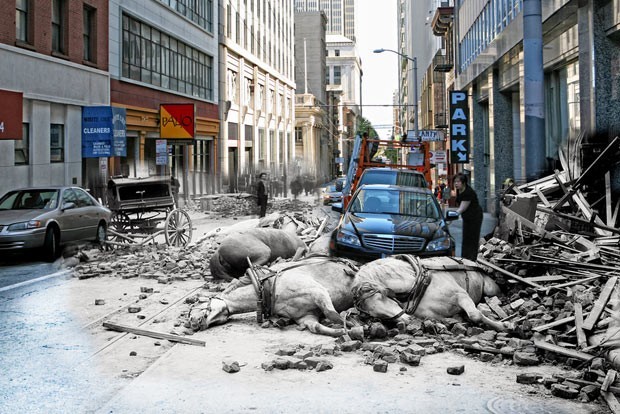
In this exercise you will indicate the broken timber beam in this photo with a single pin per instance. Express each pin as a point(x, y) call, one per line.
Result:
point(579, 219)
point(600, 304)
point(153, 334)
point(582, 341)
point(611, 401)
point(563, 351)
point(509, 274)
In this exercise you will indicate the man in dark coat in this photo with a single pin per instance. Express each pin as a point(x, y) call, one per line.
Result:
point(261, 195)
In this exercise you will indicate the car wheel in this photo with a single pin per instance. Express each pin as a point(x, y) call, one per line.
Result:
point(102, 235)
point(51, 247)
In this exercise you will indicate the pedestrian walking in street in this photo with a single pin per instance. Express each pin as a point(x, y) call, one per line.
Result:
point(174, 187)
point(471, 212)
point(296, 187)
point(445, 194)
point(261, 195)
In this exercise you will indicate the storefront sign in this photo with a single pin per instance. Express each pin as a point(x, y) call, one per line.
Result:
point(438, 156)
point(103, 132)
point(459, 128)
point(176, 121)
point(11, 115)
point(431, 135)
point(161, 152)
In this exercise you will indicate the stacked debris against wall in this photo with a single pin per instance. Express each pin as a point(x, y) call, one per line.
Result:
point(557, 251)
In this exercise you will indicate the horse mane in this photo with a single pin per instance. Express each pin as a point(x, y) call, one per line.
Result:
point(218, 269)
point(373, 274)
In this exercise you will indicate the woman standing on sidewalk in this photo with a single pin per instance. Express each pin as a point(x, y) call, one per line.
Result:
point(471, 212)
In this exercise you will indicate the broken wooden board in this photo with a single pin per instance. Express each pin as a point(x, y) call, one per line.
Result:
point(563, 351)
point(153, 334)
point(611, 401)
point(582, 341)
point(600, 304)
point(509, 274)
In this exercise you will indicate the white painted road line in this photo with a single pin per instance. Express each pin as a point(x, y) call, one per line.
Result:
point(31, 281)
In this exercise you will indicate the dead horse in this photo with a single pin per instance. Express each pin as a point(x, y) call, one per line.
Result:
point(432, 288)
point(303, 290)
point(260, 245)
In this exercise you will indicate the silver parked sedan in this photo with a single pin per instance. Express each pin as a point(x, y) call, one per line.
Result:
point(50, 217)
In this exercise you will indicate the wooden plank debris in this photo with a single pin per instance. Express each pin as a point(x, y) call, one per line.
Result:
point(611, 401)
point(609, 379)
point(582, 341)
point(571, 353)
point(509, 274)
point(600, 304)
point(153, 334)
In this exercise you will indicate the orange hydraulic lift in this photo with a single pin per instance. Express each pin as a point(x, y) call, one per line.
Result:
point(369, 147)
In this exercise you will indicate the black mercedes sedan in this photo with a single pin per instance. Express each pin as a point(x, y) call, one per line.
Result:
point(383, 220)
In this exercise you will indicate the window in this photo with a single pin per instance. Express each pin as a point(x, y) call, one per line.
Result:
point(57, 143)
point(58, 26)
point(82, 198)
point(22, 147)
point(337, 75)
point(336, 52)
point(154, 57)
point(198, 11)
point(22, 28)
point(89, 34)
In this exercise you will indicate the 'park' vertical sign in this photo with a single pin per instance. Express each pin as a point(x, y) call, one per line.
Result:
point(459, 128)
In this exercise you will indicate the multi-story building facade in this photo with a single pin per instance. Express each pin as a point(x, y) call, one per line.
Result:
point(257, 91)
point(313, 144)
point(579, 83)
point(340, 15)
point(166, 52)
point(344, 92)
point(54, 58)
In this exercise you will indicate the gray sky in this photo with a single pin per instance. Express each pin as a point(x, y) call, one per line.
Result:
point(376, 29)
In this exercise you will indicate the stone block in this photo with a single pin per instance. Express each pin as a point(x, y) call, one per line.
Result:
point(525, 359)
point(380, 366)
point(456, 370)
point(562, 391)
point(230, 367)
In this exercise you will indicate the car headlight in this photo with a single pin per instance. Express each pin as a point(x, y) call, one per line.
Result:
point(348, 238)
point(24, 225)
point(442, 243)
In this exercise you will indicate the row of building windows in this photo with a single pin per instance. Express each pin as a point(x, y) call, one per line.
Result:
point(156, 58)
point(57, 144)
point(198, 11)
point(271, 20)
point(492, 20)
point(24, 26)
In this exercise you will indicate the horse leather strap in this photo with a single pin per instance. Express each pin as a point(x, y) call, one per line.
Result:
point(422, 281)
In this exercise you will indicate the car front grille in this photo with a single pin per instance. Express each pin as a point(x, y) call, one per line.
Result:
point(392, 243)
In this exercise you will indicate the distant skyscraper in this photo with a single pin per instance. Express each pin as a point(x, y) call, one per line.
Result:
point(340, 14)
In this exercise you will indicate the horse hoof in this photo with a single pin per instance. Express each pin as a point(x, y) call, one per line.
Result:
point(356, 333)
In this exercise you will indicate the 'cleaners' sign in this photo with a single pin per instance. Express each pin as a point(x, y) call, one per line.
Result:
point(459, 128)
point(11, 115)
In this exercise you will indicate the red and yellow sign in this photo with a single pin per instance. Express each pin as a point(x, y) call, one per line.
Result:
point(11, 115)
point(177, 121)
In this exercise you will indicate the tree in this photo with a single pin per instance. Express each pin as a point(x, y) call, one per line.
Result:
point(364, 125)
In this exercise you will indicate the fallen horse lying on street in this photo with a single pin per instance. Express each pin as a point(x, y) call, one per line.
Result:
point(261, 245)
point(304, 291)
point(396, 287)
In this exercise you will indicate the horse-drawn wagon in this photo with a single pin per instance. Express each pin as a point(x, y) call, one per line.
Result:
point(140, 206)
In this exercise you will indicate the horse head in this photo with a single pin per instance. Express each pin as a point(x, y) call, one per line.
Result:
point(214, 313)
point(379, 302)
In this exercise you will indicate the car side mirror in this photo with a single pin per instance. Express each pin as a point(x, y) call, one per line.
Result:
point(337, 207)
point(68, 206)
point(452, 215)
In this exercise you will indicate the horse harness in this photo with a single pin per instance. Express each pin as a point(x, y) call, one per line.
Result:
point(265, 285)
point(415, 294)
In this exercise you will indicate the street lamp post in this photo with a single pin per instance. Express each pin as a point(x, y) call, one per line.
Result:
point(415, 86)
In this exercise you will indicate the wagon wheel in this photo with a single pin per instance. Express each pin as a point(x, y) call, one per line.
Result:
point(119, 223)
point(178, 228)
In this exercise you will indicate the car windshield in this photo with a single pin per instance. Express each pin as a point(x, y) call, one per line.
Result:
point(30, 200)
point(408, 203)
